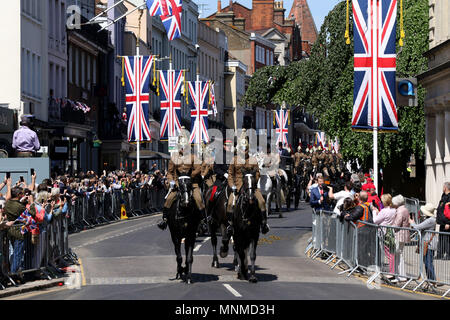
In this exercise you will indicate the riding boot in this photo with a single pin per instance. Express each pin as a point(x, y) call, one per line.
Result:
point(163, 224)
point(264, 226)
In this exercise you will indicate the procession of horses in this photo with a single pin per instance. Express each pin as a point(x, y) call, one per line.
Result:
point(233, 200)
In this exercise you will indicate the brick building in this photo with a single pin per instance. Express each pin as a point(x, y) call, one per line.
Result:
point(302, 16)
point(267, 20)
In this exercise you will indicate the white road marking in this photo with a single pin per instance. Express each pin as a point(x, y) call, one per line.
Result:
point(199, 245)
point(234, 292)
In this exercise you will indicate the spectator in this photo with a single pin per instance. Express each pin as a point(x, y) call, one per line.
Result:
point(373, 197)
point(386, 217)
point(319, 195)
point(444, 224)
point(341, 196)
point(153, 168)
point(25, 140)
point(401, 236)
point(429, 240)
point(354, 179)
point(13, 209)
point(361, 211)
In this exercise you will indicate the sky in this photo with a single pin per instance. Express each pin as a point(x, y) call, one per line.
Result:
point(319, 8)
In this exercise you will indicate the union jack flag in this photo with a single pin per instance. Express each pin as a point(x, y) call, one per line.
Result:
point(172, 23)
point(159, 8)
point(374, 97)
point(137, 83)
point(198, 93)
point(281, 117)
point(171, 82)
point(213, 100)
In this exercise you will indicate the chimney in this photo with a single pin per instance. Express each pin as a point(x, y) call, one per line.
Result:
point(230, 6)
point(219, 6)
point(278, 12)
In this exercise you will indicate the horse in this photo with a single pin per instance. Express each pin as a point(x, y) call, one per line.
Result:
point(183, 220)
point(246, 222)
point(279, 193)
point(216, 208)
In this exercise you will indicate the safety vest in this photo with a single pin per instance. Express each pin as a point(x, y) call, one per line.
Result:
point(365, 216)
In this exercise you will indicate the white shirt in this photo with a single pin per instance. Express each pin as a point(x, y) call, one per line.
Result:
point(340, 197)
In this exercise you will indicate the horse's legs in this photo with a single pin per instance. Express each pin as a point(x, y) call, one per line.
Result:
point(225, 241)
point(253, 245)
point(189, 243)
point(177, 243)
point(213, 228)
point(235, 259)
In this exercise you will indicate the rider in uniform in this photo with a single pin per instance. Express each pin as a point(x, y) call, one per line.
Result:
point(299, 157)
point(183, 165)
point(235, 182)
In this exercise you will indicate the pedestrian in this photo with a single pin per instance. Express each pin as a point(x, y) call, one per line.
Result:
point(25, 140)
point(401, 221)
point(386, 217)
point(319, 195)
point(444, 224)
point(429, 238)
point(341, 196)
point(362, 211)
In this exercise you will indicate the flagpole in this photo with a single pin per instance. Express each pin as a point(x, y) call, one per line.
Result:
point(138, 141)
point(375, 95)
point(199, 117)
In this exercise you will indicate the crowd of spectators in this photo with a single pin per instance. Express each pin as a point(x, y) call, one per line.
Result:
point(28, 208)
point(358, 201)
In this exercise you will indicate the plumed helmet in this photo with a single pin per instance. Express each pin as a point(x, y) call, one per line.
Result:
point(243, 142)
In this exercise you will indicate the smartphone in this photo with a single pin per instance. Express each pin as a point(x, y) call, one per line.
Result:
point(21, 179)
point(8, 175)
point(32, 171)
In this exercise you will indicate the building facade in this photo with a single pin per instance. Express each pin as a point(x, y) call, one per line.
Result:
point(437, 101)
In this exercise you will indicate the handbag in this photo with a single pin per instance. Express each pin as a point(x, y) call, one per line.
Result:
point(426, 243)
point(389, 238)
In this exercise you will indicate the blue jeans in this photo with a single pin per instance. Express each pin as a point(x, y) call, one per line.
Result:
point(16, 257)
point(429, 267)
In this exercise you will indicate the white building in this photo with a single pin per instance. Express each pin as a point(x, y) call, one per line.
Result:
point(437, 101)
point(24, 54)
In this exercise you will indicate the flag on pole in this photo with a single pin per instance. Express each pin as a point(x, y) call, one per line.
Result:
point(171, 82)
point(137, 71)
point(374, 97)
point(198, 93)
point(159, 8)
point(213, 100)
point(172, 22)
point(281, 117)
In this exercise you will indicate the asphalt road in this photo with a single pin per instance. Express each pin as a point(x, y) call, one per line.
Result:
point(134, 260)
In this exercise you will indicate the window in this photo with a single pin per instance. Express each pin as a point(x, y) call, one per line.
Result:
point(77, 66)
point(83, 69)
point(70, 65)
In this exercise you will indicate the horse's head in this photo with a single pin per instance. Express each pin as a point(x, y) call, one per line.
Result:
point(185, 190)
point(249, 187)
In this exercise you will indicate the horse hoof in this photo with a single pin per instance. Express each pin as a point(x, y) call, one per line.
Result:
point(215, 264)
point(188, 281)
point(253, 279)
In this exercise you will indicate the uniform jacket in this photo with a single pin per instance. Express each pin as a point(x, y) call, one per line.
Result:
point(237, 170)
point(180, 165)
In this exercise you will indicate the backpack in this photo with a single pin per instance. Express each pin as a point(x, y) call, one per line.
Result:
point(447, 211)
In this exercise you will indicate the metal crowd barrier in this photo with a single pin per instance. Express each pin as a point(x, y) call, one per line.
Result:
point(94, 209)
point(365, 247)
point(52, 251)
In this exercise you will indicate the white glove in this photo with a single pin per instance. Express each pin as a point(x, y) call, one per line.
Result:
point(226, 175)
point(172, 184)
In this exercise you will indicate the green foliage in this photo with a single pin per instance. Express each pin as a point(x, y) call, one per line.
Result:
point(323, 85)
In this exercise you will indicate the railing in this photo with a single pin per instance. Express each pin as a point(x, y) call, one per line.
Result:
point(385, 252)
point(52, 252)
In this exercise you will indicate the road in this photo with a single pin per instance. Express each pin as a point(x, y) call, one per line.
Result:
point(134, 260)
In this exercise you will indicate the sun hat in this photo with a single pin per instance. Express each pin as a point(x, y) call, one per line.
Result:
point(429, 210)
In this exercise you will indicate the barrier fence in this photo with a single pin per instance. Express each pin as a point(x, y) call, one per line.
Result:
point(391, 253)
point(45, 257)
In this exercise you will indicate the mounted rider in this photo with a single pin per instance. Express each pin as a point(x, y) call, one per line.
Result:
point(183, 164)
point(236, 172)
